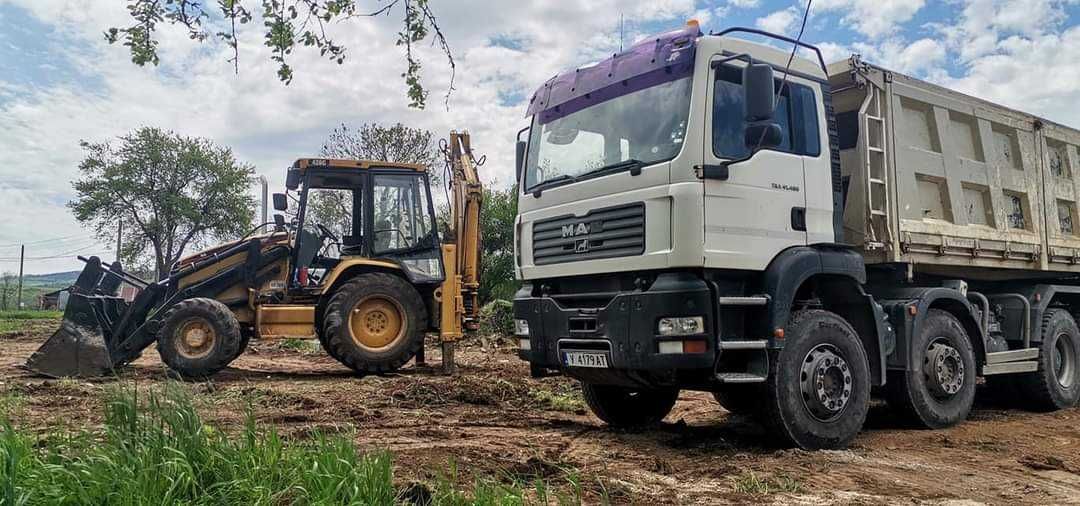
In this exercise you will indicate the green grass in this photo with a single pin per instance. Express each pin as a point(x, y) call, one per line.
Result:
point(30, 315)
point(154, 448)
point(751, 483)
point(305, 346)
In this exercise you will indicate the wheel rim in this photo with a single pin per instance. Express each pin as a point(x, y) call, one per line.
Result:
point(376, 322)
point(943, 369)
point(825, 382)
point(195, 338)
point(1064, 360)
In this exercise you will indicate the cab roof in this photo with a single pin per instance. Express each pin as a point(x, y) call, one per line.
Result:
point(337, 163)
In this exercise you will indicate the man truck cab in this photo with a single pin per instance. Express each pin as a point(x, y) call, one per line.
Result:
point(682, 226)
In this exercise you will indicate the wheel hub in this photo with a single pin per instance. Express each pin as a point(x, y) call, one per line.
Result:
point(376, 322)
point(196, 338)
point(825, 382)
point(943, 370)
point(1064, 360)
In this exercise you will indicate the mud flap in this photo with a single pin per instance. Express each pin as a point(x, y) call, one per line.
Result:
point(77, 348)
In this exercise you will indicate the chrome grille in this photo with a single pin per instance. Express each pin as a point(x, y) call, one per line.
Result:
point(602, 233)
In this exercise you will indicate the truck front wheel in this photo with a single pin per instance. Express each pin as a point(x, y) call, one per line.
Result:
point(818, 391)
point(940, 389)
point(1056, 385)
point(740, 399)
point(629, 407)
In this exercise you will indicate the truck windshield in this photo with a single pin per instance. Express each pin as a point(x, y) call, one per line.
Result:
point(639, 128)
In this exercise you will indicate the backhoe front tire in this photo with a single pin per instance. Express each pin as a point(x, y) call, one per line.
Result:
point(374, 323)
point(629, 407)
point(198, 338)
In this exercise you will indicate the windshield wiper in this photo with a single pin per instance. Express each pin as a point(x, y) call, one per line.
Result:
point(633, 164)
point(538, 188)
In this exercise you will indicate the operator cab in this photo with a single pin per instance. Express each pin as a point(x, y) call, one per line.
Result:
point(356, 210)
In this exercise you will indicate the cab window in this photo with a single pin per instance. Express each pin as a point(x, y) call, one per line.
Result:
point(400, 213)
point(796, 114)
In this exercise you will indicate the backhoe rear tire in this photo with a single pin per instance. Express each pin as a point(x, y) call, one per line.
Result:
point(198, 338)
point(374, 323)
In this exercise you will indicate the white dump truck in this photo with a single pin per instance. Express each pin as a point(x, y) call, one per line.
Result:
point(704, 212)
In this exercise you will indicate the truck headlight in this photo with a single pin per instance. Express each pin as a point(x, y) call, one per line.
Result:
point(521, 328)
point(681, 326)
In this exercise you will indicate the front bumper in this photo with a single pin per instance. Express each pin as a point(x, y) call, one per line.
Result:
point(624, 325)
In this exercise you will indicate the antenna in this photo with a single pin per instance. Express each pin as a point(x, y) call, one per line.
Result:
point(622, 33)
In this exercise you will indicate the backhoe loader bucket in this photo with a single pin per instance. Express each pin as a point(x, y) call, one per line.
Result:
point(80, 348)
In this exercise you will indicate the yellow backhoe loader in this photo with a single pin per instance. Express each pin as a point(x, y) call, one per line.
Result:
point(358, 265)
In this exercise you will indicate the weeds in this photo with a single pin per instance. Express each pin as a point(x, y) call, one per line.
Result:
point(154, 448)
point(305, 346)
point(753, 484)
point(562, 398)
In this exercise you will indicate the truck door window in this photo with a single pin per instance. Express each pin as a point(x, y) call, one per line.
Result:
point(796, 114)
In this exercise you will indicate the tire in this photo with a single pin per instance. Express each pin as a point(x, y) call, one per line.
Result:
point(374, 323)
point(818, 391)
point(629, 407)
point(929, 399)
point(1056, 385)
point(740, 399)
point(199, 337)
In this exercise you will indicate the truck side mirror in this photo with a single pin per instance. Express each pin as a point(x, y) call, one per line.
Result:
point(292, 179)
point(760, 100)
point(280, 202)
point(758, 90)
point(520, 159)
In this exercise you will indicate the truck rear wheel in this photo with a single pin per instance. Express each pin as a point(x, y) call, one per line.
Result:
point(942, 389)
point(818, 391)
point(199, 337)
point(629, 407)
point(374, 323)
point(740, 399)
point(1056, 385)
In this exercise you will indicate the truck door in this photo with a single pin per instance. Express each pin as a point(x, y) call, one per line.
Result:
point(760, 210)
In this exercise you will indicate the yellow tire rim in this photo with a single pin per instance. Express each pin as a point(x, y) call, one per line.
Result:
point(195, 338)
point(376, 322)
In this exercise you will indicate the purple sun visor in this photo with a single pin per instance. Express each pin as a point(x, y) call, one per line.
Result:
point(653, 61)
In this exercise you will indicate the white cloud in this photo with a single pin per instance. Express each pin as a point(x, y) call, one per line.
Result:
point(779, 22)
point(744, 4)
point(873, 18)
point(194, 92)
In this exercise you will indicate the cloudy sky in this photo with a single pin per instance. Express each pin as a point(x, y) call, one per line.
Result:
point(61, 83)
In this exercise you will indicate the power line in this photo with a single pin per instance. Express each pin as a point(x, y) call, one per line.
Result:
point(42, 241)
point(50, 257)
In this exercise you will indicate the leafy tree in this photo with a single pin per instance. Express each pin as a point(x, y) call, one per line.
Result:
point(395, 143)
point(8, 289)
point(169, 192)
point(286, 24)
point(497, 245)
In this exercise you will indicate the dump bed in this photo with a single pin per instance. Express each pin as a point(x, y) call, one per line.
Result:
point(952, 184)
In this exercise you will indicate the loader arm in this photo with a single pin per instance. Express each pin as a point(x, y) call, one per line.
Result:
point(460, 291)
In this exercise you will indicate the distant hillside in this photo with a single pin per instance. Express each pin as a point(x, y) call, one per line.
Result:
point(56, 279)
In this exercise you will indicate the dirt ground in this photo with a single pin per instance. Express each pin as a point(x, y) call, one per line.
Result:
point(491, 419)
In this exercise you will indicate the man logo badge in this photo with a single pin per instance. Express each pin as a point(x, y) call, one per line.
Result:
point(581, 246)
point(575, 230)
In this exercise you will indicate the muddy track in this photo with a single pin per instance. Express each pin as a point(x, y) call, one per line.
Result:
point(491, 419)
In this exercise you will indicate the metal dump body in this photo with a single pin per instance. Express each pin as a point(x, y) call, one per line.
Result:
point(948, 182)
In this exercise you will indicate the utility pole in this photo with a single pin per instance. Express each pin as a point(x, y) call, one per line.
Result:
point(119, 236)
point(265, 188)
point(22, 257)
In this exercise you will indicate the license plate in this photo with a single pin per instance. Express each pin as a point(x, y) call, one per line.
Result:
point(585, 359)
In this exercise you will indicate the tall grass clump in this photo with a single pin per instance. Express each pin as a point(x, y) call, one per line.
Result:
point(157, 450)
